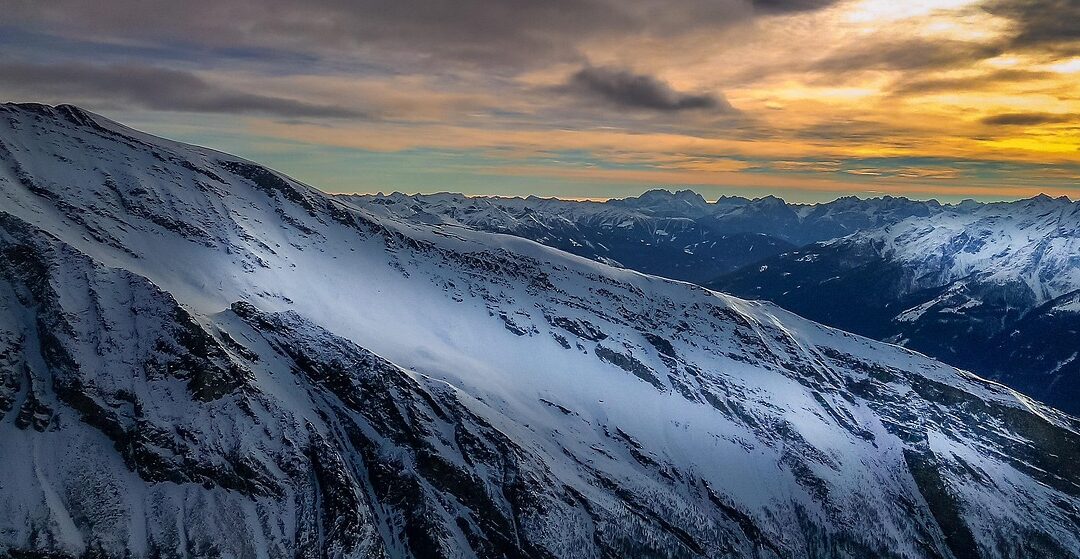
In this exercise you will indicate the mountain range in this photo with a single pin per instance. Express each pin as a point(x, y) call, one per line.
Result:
point(991, 288)
point(677, 235)
point(202, 357)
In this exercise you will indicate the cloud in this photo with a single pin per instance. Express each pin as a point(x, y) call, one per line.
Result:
point(814, 80)
point(912, 54)
point(505, 35)
point(1041, 23)
point(936, 85)
point(627, 89)
point(1049, 26)
point(785, 6)
point(936, 173)
point(153, 88)
point(1028, 119)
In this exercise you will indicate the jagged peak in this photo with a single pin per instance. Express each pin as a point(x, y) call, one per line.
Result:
point(1044, 198)
point(663, 194)
point(769, 200)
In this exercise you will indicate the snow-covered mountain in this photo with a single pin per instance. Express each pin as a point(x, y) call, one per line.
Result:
point(672, 234)
point(201, 357)
point(942, 279)
point(989, 287)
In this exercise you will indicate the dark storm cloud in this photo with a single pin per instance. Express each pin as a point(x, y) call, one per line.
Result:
point(151, 88)
point(508, 34)
point(1028, 119)
point(780, 6)
point(1052, 24)
point(627, 89)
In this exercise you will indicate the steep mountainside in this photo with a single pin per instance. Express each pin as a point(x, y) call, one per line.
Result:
point(677, 235)
point(202, 358)
point(991, 288)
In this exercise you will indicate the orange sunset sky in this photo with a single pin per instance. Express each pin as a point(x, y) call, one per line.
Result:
point(806, 99)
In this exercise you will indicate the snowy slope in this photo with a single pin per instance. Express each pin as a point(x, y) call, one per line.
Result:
point(1035, 241)
point(201, 357)
point(672, 234)
point(985, 287)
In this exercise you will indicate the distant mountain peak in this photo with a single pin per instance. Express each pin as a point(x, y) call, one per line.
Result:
point(663, 195)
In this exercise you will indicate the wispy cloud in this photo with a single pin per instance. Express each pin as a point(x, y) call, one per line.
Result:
point(507, 34)
point(912, 85)
point(912, 54)
point(152, 88)
point(1029, 119)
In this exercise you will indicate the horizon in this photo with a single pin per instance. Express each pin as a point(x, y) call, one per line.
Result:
point(282, 161)
point(645, 189)
point(707, 200)
point(808, 100)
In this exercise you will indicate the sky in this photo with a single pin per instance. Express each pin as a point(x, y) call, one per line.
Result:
point(805, 99)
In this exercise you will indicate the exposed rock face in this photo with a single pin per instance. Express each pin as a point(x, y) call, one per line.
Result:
point(200, 357)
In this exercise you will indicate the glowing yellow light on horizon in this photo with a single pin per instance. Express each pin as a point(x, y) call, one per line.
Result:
point(1039, 145)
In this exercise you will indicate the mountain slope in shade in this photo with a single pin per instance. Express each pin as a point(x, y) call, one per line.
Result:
point(991, 288)
point(677, 235)
point(201, 357)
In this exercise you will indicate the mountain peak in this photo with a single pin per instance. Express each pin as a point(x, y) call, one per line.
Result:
point(771, 200)
point(1043, 199)
point(664, 195)
point(64, 111)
